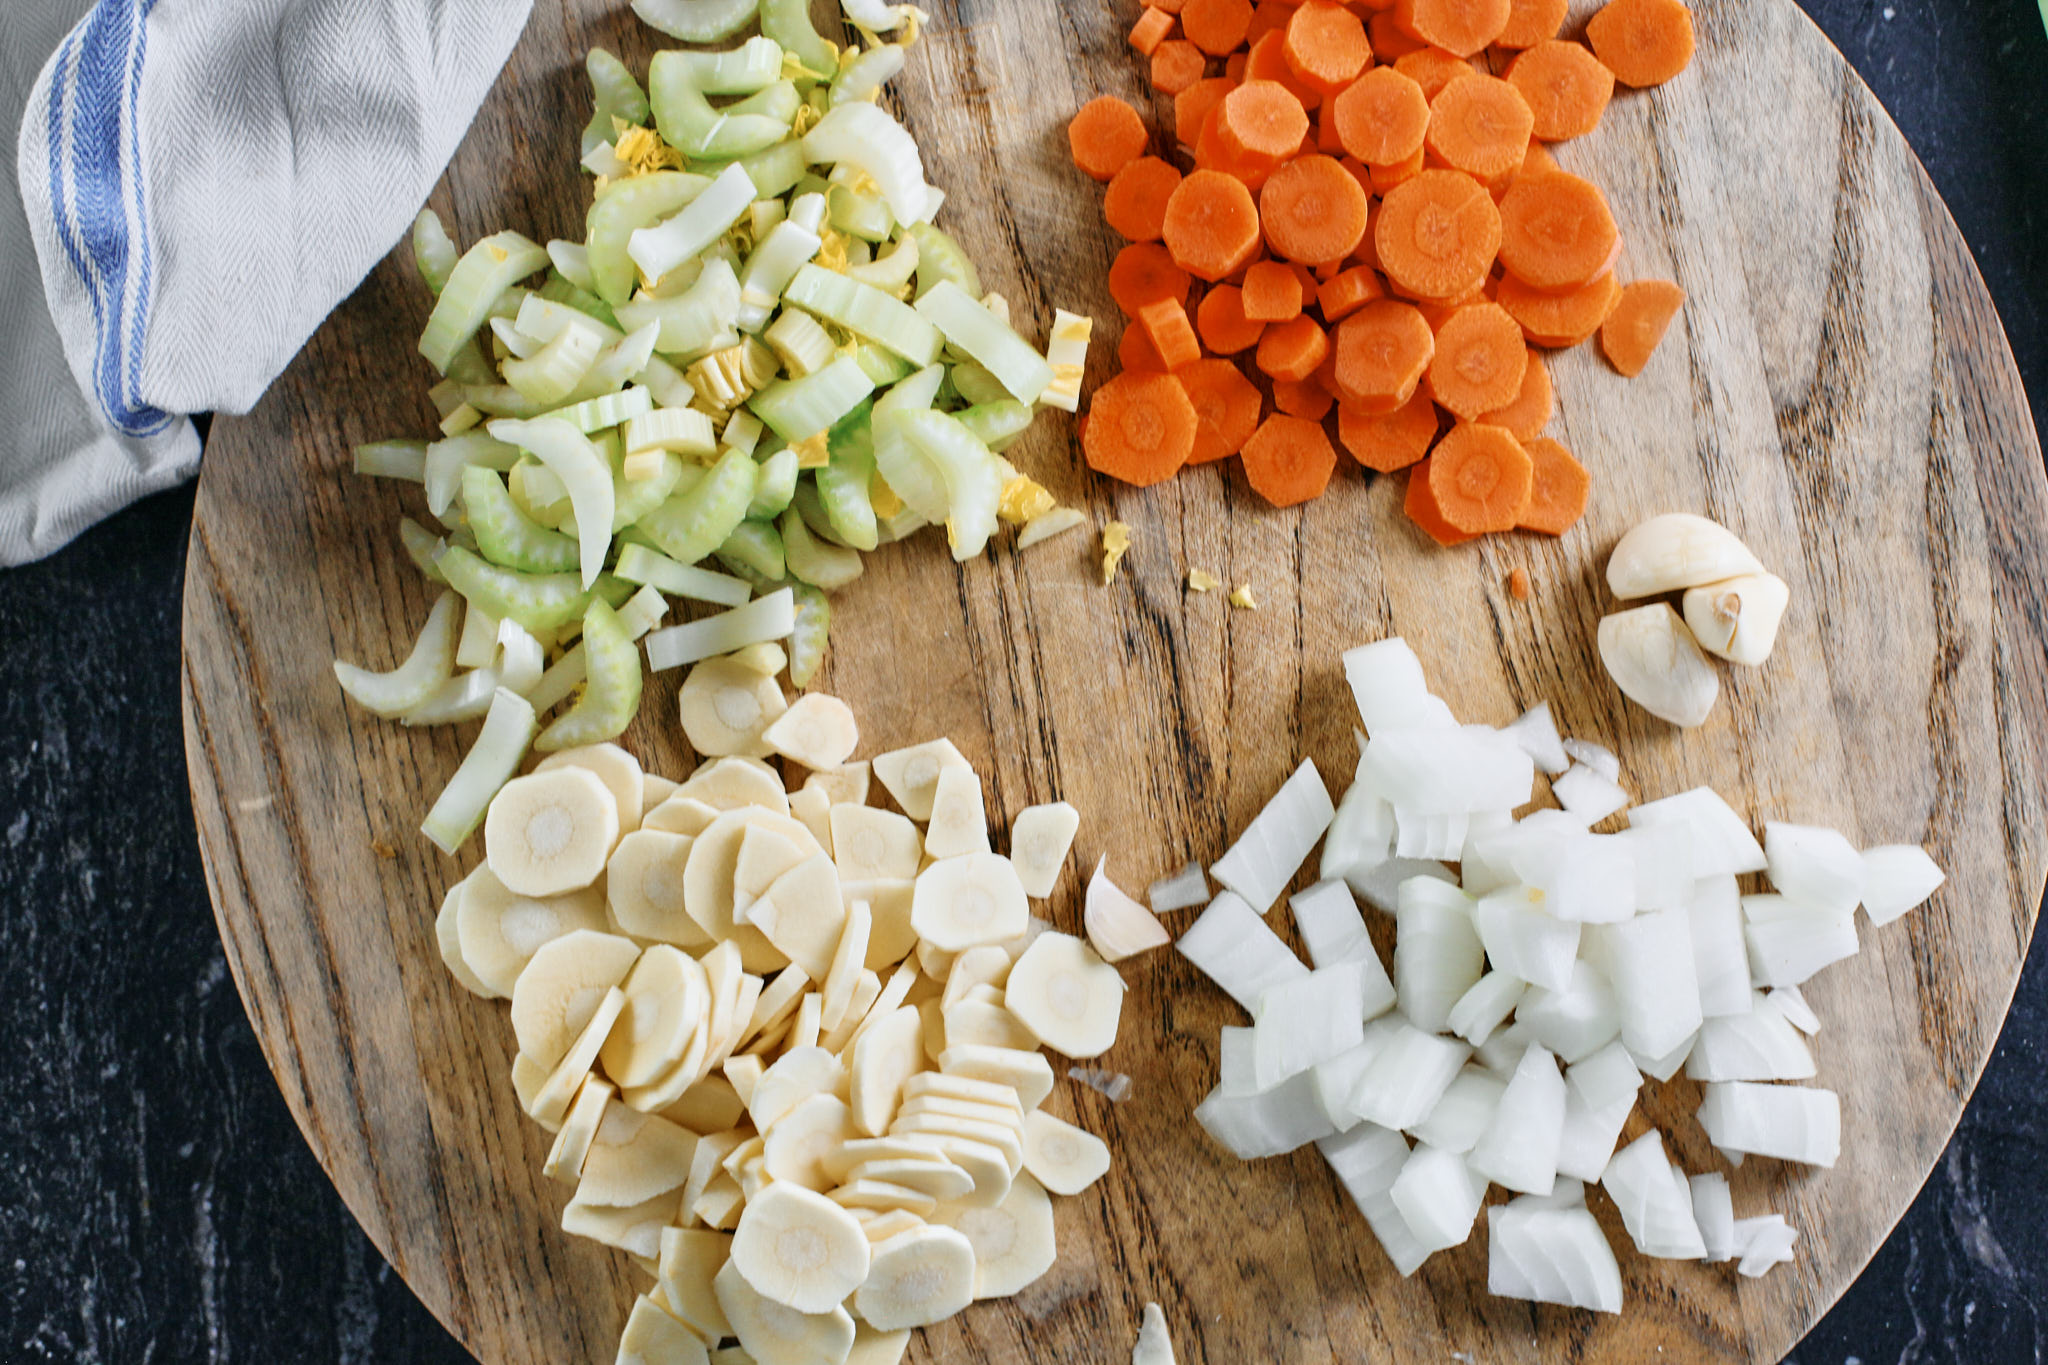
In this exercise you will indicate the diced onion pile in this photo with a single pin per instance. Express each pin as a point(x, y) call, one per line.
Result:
point(763, 354)
point(1530, 994)
point(788, 1040)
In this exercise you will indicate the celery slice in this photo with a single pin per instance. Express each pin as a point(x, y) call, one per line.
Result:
point(446, 459)
point(798, 409)
point(505, 535)
point(774, 484)
point(788, 22)
point(552, 373)
point(807, 634)
point(392, 460)
point(666, 383)
point(683, 430)
point(638, 564)
point(690, 525)
point(691, 321)
point(865, 311)
point(867, 138)
point(843, 485)
point(466, 697)
point(742, 432)
point(490, 763)
point(559, 289)
point(1066, 352)
point(422, 547)
point(539, 602)
point(661, 248)
point(920, 484)
point(500, 400)
point(863, 78)
point(891, 272)
point(426, 667)
point(688, 122)
point(775, 170)
point(811, 507)
point(939, 257)
point(697, 21)
point(641, 613)
point(610, 410)
point(544, 319)
point(612, 691)
point(753, 66)
point(820, 564)
point(976, 385)
point(803, 346)
point(572, 263)
point(974, 485)
point(754, 551)
point(883, 366)
point(433, 251)
point(979, 333)
point(584, 472)
point(997, 424)
point(613, 88)
point(485, 271)
point(623, 208)
point(770, 267)
point(471, 365)
point(633, 499)
point(862, 216)
point(766, 618)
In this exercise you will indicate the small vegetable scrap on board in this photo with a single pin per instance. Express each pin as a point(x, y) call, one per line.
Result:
point(1379, 231)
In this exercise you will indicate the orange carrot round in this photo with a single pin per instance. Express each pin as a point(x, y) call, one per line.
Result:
point(1386, 177)
point(1216, 26)
point(1557, 320)
point(1382, 116)
point(1381, 352)
point(1637, 323)
point(1436, 234)
point(1144, 273)
point(1135, 352)
point(1192, 106)
point(1141, 428)
point(1312, 210)
point(1421, 506)
point(1212, 226)
point(1461, 27)
point(1211, 154)
point(1176, 65)
point(1480, 125)
point(1347, 292)
point(1288, 460)
point(1268, 16)
point(1643, 42)
point(1432, 68)
point(1226, 408)
point(1480, 478)
point(1135, 204)
point(1326, 46)
point(1151, 29)
point(1531, 22)
point(1479, 361)
point(1556, 232)
point(1390, 41)
point(1532, 408)
point(1558, 488)
point(1272, 292)
point(1293, 349)
point(1303, 398)
point(1537, 160)
point(1221, 321)
point(1167, 327)
point(1261, 119)
point(1104, 135)
point(1390, 440)
point(1566, 86)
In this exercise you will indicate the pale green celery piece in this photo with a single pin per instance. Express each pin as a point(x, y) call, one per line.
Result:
point(613, 87)
point(659, 249)
point(697, 21)
point(920, 484)
point(802, 344)
point(429, 664)
point(541, 495)
point(690, 124)
point(544, 319)
point(754, 65)
point(692, 320)
point(433, 251)
point(844, 484)
point(392, 460)
point(865, 311)
point(770, 267)
point(939, 257)
point(483, 273)
point(611, 692)
point(666, 383)
point(596, 133)
point(859, 215)
point(774, 485)
point(422, 547)
point(507, 305)
point(988, 339)
point(811, 507)
point(471, 365)
point(572, 262)
point(500, 400)
point(623, 208)
point(539, 602)
point(550, 375)
point(866, 74)
point(697, 520)
point(798, 409)
point(584, 472)
point(779, 101)
point(788, 22)
point(447, 459)
point(812, 183)
point(866, 138)
point(634, 498)
point(607, 410)
point(754, 552)
point(806, 643)
point(972, 477)
point(507, 537)
point(997, 424)
point(976, 385)
point(638, 564)
point(500, 747)
point(813, 561)
point(883, 366)
point(776, 170)
point(560, 289)
point(890, 272)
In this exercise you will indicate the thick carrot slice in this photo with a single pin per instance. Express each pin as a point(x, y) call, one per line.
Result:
point(1211, 155)
point(1631, 332)
point(1532, 408)
point(1141, 428)
point(1566, 86)
point(1272, 292)
point(1557, 320)
point(1382, 117)
point(1216, 26)
point(1432, 68)
point(1480, 125)
point(1293, 349)
point(1135, 203)
point(1480, 478)
point(1421, 506)
point(1144, 273)
point(1556, 232)
point(1170, 6)
point(1390, 41)
point(1171, 334)
point(1381, 353)
point(1643, 42)
point(1557, 489)
point(1531, 22)
point(1347, 292)
point(1537, 160)
point(1151, 29)
point(1390, 440)
point(1437, 313)
point(1136, 353)
point(1479, 360)
point(1226, 408)
point(1267, 61)
point(1462, 27)
point(1303, 398)
point(1191, 107)
point(1261, 119)
point(1106, 134)
point(1326, 45)
point(1212, 226)
point(1386, 177)
point(1176, 65)
point(1312, 210)
point(1288, 460)
point(1436, 234)
point(1268, 16)
point(1221, 321)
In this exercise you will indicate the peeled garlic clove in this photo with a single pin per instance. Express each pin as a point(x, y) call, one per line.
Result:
point(1737, 618)
point(1675, 551)
point(1657, 664)
point(1118, 926)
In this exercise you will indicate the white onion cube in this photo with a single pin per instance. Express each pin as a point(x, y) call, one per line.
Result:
point(1438, 1196)
point(1720, 951)
point(1814, 865)
point(1300, 1023)
point(1790, 941)
point(1713, 1209)
point(1721, 842)
point(1437, 957)
point(1519, 1147)
point(1551, 1255)
point(1486, 1006)
point(1577, 1021)
point(1464, 1112)
point(1655, 982)
point(1278, 840)
point(1654, 1200)
point(1270, 1123)
point(1235, 949)
point(1520, 937)
point(1789, 1122)
point(1759, 1046)
point(1896, 878)
point(1589, 796)
point(1408, 1077)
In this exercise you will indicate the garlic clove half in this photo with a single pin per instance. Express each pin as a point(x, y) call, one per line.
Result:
point(1676, 551)
point(1658, 665)
point(1737, 618)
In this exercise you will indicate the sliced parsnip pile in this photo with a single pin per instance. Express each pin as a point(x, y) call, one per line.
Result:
point(1531, 993)
point(788, 1040)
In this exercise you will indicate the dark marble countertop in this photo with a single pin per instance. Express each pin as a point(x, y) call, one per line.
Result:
point(156, 1203)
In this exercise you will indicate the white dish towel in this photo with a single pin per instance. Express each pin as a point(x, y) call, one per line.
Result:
point(198, 183)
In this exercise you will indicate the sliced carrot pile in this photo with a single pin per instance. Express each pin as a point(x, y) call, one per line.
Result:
point(1383, 240)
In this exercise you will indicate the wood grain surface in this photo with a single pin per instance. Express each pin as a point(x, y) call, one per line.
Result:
point(1838, 391)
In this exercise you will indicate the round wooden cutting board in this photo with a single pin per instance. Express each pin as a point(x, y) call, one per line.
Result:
point(1838, 391)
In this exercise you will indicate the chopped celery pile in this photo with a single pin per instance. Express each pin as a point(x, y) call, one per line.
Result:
point(763, 360)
